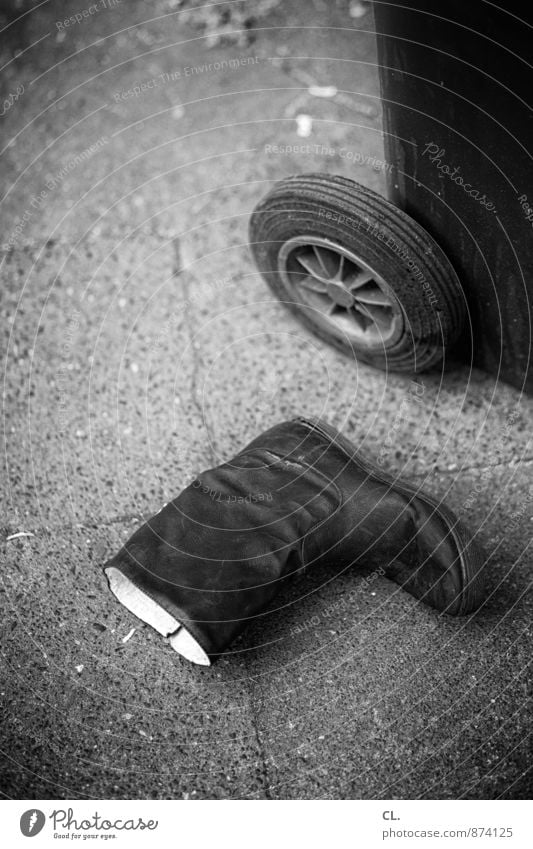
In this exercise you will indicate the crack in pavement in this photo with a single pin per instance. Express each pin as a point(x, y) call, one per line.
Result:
point(258, 736)
point(198, 367)
point(197, 361)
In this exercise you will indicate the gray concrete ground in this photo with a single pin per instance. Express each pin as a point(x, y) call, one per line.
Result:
point(141, 346)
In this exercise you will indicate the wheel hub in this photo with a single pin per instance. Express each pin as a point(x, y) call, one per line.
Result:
point(339, 295)
point(343, 292)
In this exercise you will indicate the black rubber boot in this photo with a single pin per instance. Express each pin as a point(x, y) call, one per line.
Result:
point(300, 494)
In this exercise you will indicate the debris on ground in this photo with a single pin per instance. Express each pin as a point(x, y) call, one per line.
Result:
point(304, 126)
point(128, 636)
point(358, 8)
point(322, 90)
point(19, 535)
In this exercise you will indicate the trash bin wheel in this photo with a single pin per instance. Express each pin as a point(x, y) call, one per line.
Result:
point(358, 271)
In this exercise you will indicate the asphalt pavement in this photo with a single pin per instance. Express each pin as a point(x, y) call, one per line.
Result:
point(141, 346)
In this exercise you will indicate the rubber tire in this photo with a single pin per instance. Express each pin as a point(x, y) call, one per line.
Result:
point(357, 218)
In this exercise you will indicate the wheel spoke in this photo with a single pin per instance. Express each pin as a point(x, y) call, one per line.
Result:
point(311, 265)
point(333, 309)
point(359, 278)
point(315, 285)
point(379, 316)
point(317, 300)
point(328, 260)
point(372, 294)
point(361, 319)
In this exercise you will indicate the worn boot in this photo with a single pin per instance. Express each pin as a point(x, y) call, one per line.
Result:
point(300, 494)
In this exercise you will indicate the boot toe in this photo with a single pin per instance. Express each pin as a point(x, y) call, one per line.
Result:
point(449, 564)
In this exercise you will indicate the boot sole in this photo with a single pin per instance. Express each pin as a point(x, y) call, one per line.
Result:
point(471, 556)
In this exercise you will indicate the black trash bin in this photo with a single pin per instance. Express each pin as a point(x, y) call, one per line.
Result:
point(456, 86)
point(442, 268)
